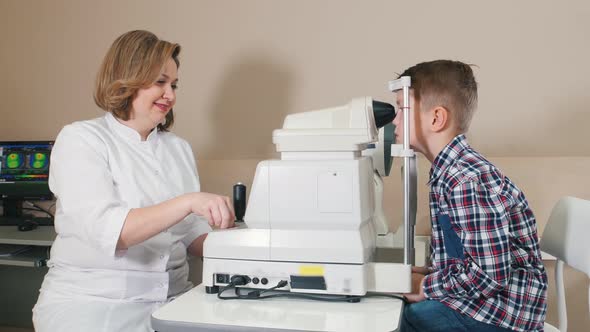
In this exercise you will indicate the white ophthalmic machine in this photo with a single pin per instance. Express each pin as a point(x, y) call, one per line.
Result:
point(314, 221)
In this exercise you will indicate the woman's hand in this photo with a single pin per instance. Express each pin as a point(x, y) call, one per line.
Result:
point(218, 210)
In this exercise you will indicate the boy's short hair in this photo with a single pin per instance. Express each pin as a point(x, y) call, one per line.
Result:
point(446, 83)
point(134, 61)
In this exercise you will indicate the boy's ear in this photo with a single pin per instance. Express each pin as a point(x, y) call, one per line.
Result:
point(440, 118)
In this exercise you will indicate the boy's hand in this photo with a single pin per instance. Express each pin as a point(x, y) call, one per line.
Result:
point(417, 294)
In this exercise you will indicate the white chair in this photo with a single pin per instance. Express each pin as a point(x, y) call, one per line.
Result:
point(567, 237)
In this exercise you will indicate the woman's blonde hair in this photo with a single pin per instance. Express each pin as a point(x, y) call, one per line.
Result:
point(134, 61)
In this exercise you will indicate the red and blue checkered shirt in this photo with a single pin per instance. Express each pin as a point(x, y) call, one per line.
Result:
point(486, 261)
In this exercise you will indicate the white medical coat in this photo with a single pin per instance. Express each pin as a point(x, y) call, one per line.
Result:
point(100, 169)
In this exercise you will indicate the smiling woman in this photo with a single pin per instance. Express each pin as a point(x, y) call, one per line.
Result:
point(129, 206)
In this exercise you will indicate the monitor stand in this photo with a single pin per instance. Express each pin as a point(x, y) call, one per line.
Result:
point(12, 207)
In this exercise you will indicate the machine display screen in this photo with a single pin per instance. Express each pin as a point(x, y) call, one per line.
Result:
point(24, 161)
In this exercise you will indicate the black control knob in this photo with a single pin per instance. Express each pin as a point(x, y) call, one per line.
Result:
point(240, 201)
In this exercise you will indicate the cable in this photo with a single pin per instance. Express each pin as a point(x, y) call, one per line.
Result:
point(331, 298)
point(33, 209)
point(236, 280)
point(239, 280)
point(38, 208)
point(42, 209)
point(258, 295)
point(51, 206)
point(393, 296)
point(223, 289)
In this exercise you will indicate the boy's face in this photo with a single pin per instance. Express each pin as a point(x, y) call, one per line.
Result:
point(418, 123)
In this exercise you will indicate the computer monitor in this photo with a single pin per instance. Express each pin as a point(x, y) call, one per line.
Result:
point(24, 174)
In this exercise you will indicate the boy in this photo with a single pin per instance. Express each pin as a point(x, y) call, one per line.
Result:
point(486, 273)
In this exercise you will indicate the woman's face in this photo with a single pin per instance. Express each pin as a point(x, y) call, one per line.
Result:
point(150, 105)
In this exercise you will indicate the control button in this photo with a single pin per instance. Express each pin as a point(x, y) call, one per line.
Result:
point(255, 281)
point(222, 278)
point(161, 285)
point(162, 256)
point(264, 281)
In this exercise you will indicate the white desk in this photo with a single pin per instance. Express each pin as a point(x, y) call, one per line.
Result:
point(41, 237)
point(198, 311)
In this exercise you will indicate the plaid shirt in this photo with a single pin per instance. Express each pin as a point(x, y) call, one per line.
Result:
point(486, 261)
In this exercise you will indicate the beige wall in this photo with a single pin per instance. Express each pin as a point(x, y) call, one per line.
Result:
point(246, 64)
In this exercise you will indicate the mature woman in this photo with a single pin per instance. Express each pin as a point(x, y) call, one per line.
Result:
point(128, 200)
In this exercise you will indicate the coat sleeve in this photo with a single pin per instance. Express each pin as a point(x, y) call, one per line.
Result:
point(89, 205)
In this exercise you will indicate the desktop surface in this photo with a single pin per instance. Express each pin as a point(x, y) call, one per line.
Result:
point(198, 311)
point(41, 236)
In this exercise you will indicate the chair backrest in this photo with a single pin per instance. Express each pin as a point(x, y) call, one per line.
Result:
point(567, 233)
point(567, 237)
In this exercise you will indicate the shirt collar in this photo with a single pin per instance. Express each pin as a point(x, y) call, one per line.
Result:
point(129, 133)
point(448, 154)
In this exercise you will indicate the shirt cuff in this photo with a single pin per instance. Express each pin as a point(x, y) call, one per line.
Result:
point(111, 236)
point(433, 285)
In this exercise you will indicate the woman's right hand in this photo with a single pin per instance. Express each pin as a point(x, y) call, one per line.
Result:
point(218, 210)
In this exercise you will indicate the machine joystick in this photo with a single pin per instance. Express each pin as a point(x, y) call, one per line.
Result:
point(240, 201)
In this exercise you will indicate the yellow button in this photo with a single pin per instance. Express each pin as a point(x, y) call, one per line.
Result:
point(311, 270)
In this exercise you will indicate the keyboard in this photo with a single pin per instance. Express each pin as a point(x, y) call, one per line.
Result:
point(15, 221)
